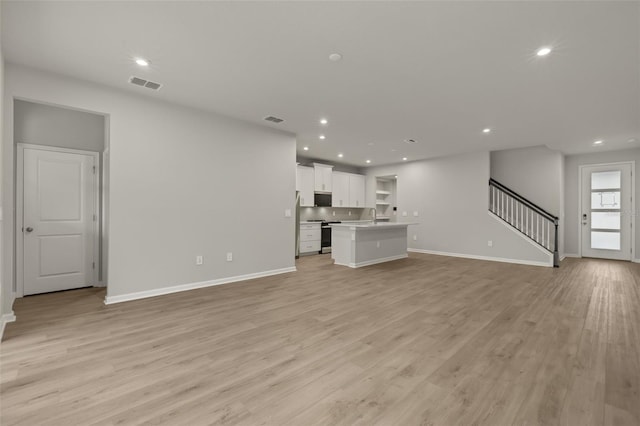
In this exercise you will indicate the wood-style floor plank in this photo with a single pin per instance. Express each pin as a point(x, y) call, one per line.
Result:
point(427, 340)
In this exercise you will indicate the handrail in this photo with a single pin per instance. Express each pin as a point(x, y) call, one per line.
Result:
point(525, 216)
point(523, 200)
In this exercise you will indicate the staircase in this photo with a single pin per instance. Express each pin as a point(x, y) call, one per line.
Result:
point(529, 219)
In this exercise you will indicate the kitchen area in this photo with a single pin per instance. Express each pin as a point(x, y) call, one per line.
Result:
point(331, 206)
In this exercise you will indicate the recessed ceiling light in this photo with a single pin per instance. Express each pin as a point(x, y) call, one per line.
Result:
point(368, 161)
point(340, 155)
point(598, 142)
point(371, 144)
point(324, 121)
point(486, 130)
point(322, 137)
point(393, 150)
point(306, 148)
point(335, 57)
point(404, 158)
point(143, 62)
point(543, 51)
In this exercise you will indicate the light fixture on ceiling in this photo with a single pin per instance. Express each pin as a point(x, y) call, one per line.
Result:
point(322, 137)
point(404, 158)
point(306, 148)
point(368, 161)
point(324, 121)
point(598, 142)
point(143, 62)
point(543, 51)
point(486, 130)
point(335, 57)
point(340, 155)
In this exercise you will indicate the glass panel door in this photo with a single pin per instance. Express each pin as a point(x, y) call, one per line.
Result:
point(606, 222)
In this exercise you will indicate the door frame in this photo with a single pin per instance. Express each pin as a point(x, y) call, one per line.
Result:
point(19, 203)
point(633, 203)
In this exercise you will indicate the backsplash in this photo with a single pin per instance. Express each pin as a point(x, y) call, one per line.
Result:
point(341, 213)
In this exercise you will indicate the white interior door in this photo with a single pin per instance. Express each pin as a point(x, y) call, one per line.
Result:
point(58, 220)
point(606, 211)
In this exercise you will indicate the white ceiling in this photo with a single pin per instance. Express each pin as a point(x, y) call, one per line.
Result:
point(437, 72)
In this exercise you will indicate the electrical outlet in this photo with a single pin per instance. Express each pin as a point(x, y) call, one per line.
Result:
point(199, 260)
point(378, 244)
point(349, 212)
point(415, 213)
point(229, 257)
point(490, 243)
point(334, 212)
point(287, 213)
point(404, 214)
point(415, 237)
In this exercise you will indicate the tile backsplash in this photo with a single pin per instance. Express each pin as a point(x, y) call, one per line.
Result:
point(341, 213)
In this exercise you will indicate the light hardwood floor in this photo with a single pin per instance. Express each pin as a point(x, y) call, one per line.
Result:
point(425, 340)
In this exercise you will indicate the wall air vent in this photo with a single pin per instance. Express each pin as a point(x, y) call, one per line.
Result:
point(274, 119)
point(145, 83)
point(410, 141)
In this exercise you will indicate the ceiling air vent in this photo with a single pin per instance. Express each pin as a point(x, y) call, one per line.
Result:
point(145, 83)
point(410, 141)
point(274, 119)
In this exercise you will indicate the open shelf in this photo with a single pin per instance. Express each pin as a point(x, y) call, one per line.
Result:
point(382, 203)
point(383, 192)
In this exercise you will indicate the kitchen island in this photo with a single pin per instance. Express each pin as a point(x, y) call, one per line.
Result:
point(361, 244)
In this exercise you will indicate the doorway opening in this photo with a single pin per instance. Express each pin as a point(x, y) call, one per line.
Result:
point(60, 234)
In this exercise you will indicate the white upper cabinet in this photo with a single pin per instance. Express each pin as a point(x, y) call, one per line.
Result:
point(356, 190)
point(348, 190)
point(340, 195)
point(304, 184)
point(323, 177)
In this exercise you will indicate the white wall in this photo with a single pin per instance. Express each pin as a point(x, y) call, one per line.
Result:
point(40, 124)
point(536, 173)
point(450, 195)
point(182, 183)
point(572, 179)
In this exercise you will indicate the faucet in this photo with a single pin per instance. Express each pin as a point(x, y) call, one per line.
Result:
point(374, 213)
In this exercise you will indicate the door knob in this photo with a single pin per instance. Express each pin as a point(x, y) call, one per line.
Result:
point(29, 229)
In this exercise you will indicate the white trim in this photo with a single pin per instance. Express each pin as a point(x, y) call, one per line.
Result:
point(491, 259)
point(521, 235)
point(192, 286)
point(635, 260)
point(9, 317)
point(372, 262)
point(19, 262)
point(4, 320)
point(632, 207)
point(577, 256)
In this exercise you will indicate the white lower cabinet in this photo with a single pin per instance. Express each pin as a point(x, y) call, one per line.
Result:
point(310, 235)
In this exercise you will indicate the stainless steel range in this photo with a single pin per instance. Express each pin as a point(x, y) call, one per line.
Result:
point(325, 239)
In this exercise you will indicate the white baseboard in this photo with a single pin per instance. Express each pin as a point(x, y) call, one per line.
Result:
point(636, 260)
point(192, 286)
point(571, 255)
point(372, 262)
point(491, 259)
point(4, 319)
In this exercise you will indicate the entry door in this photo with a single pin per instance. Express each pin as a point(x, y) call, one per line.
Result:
point(58, 220)
point(606, 211)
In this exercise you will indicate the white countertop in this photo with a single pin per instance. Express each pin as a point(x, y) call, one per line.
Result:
point(371, 225)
